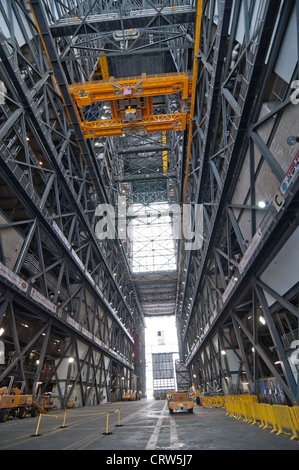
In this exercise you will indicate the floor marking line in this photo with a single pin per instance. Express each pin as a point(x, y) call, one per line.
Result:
point(174, 438)
point(155, 434)
point(83, 443)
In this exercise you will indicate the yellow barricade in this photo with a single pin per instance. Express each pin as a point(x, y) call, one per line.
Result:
point(220, 400)
point(247, 412)
point(206, 401)
point(229, 407)
point(284, 419)
point(107, 413)
point(268, 418)
point(281, 419)
point(295, 422)
point(216, 401)
point(237, 408)
point(256, 412)
point(48, 416)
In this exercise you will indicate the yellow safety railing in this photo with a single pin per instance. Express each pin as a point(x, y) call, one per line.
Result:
point(216, 401)
point(279, 419)
point(219, 401)
point(56, 415)
point(295, 421)
point(285, 420)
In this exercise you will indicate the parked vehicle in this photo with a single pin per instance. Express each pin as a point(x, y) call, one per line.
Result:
point(180, 401)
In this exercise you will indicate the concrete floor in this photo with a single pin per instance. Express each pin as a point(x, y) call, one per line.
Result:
point(145, 425)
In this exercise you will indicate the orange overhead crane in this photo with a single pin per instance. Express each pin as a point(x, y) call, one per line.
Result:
point(101, 71)
point(131, 104)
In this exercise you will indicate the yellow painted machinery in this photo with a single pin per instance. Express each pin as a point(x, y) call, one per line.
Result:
point(180, 401)
point(130, 396)
point(101, 71)
point(42, 405)
point(131, 105)
point(14, 404)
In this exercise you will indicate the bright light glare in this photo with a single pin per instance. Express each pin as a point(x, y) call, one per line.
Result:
point(153, 245)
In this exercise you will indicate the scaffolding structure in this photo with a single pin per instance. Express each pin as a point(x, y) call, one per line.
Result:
point(238, 325)
point(216, 128)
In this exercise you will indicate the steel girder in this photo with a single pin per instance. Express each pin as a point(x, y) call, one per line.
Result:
point(237, 132)
point(131, 19)
point(75, 58)
point(82, 49)
point(77, 287)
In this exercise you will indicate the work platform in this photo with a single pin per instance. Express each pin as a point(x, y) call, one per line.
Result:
point(130, 104)
point(145, 425)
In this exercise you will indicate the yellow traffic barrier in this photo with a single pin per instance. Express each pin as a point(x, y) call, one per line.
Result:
point(283, 419)
point(85, 414)
point(280, 419)
point(267, 416)
point(216, 401)
point(107, 425)
point(246, 412)
point(37, 428)
point(63, 424)
point(118, 423)
point(255, 412)
point(229, 405)
point(51, 416)
point(237, 409)
point(107, 421)
point(295, 422)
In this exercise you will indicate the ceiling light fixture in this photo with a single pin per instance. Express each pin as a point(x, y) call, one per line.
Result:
point(262, 204)
point(292, 140)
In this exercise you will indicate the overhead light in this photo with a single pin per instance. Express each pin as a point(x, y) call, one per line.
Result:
point(71, 359)
point(292, 140)
point(262, 204)
point(1, 331)
point(262, 320)
point(223, 352)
